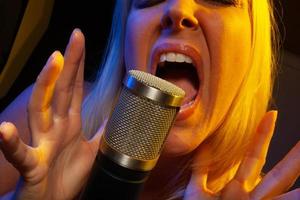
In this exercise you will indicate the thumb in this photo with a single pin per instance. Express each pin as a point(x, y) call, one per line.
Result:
point(20, 155)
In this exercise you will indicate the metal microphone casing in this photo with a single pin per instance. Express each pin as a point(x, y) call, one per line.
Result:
point(133, 138)
point(141, 120)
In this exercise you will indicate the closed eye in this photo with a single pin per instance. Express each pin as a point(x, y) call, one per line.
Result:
point(140, 4)
point(224, 2)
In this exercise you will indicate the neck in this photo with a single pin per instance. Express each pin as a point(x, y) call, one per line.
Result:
point(166, 175)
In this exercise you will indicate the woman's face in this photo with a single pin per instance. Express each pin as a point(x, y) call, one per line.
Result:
point(203, 46)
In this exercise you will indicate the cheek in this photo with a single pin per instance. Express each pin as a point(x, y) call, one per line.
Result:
point(141, 31)
point(234, 52)
point(230, 54)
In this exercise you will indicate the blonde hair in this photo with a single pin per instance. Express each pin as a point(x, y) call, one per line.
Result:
point(229, 141)
point(98, 103)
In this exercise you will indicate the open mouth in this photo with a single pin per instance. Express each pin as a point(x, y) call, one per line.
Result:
point(179, 69)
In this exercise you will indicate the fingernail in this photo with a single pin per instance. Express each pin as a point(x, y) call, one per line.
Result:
point(274, 116)
point(58, 57)
point(53, 55)
point(2, 124)
point(77, 30)
point(270, 125)
point(1, 132)
point(74, 33)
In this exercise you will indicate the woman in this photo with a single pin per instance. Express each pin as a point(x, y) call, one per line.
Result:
point(227, 52)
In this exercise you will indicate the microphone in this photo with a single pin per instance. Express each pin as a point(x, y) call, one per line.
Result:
point(133, 137)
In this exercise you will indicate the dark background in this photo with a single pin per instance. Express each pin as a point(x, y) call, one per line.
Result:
point(94, 19)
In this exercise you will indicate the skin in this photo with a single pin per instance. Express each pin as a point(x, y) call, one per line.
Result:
point(57, 142)
point(58, 148)
point(214, 30)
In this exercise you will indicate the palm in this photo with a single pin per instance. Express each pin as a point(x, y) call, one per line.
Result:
point(74, 161)
point(58, 175)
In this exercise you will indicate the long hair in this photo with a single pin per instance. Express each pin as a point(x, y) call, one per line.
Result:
point(230, 140)
point(98, 103)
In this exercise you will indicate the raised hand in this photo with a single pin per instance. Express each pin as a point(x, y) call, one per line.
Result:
point(57, 163)
point(247, 183)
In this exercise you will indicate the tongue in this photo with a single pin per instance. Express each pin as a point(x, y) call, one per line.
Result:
point(184, 77)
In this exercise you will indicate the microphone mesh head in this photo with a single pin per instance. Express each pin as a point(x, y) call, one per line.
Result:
point(158, 83)
point(139, 126)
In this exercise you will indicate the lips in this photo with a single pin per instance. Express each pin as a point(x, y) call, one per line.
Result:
point(181, 65)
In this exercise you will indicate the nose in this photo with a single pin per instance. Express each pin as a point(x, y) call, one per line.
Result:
point(179, 15)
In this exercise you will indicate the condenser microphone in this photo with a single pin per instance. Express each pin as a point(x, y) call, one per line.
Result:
point(133, 137)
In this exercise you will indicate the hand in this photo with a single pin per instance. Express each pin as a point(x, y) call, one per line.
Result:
point(57, 163)
point(247, 183)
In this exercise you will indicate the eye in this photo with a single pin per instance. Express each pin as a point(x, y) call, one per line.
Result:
point(224, 2)
point(140, 4)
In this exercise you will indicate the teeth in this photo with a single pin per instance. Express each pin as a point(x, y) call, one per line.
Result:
point(180, 58)
point(163, 58)
point(188, 60)
point(171, 57)
point(175, 57)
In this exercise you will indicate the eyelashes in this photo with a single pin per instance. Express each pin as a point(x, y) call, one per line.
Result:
point(141, 4)
point(223, 2)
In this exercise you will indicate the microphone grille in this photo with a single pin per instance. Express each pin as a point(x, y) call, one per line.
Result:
point(138, 126)
point(141, 120)
point(156, 82)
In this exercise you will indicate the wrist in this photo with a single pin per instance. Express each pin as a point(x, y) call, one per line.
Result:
point(26, 191)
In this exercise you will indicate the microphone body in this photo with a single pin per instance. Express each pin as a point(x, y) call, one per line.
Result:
point(134, 137)
point(109, 180)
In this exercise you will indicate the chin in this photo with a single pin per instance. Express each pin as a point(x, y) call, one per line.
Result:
point(179, 143)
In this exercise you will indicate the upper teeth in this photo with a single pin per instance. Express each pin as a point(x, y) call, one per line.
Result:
point(175, 57)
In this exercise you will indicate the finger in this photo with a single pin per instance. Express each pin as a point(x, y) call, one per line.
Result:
point(76, 101)
point(292, 195)
point(39, 109)
point(197, 187)
point(281, 177)
point(14, 150)
point(250, 168)
point(65, 83)
point(234, 189)
point(95, 141)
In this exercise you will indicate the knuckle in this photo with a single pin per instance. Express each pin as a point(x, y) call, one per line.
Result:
point(63, 88)
point(276, 173)
point(78, 84)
